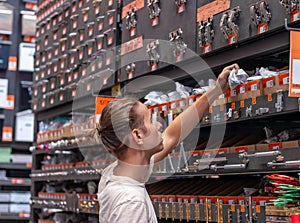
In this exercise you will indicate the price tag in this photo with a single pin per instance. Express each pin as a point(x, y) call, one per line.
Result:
point(257, 209)
point(232, 39)
point(262, 28)
point(182, 103)
point(233, 105)
point(233, 93)
point(110, 40)
point(130, 75)
point(221, 107)
point(254, 87)
point(99, 46)
point(132, 32)
point(10, 105)
point(270, 84)
point(108, 61)
point(164, 108)
point(181, 8)
point(91, 31)
point(242, 208)
point(24, 215)
point(242, 90)
point(17, 181)
point(254, 101)
point(232, 208)
point(270, 98)
point(111, 20)
point(173, 105)
point(242, 103)
point(286, 80)
point(210, 110)
point(155, 21)
point(7, 134)
point(97, 10)
point(295, 16)
point(12, 63)
point(105, 80)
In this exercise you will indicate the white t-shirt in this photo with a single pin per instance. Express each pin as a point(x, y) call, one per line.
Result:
point(123, 199)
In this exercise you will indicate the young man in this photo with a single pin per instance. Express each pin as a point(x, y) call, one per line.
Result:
point(127, 131)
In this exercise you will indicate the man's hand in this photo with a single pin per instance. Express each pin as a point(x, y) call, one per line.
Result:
point(222, 81)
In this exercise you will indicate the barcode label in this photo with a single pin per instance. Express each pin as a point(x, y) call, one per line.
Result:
point(270, 84)
point(254, 87)
point(182, 103)
point(164, 108)
point(242, 90)
point(233, 93)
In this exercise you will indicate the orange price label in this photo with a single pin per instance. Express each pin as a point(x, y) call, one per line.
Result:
point(221, 107)
point(243, 208)
point(7, 132)
point(10, 102)
point(232, 208)
point(270, 98)
point(12, 63)
point(257, 209)
point(210, 110)
point(254, 101)
point(29, 165)
point(24, 215)
point(233, 105)
point(242, 103)
point(101, 102)
point(18, 181)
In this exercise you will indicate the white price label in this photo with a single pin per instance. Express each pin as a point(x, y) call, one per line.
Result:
point(242, 90)
point(286, 80)
point(105, 80)
point(270, 84)
point(296, 16)
point(164, 108)
point(173, 105)
point(254, 87)
point(182, 103)
point(233, 93)
point(262, 29)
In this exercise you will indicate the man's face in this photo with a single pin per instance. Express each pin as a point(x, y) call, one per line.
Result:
point(153, 136)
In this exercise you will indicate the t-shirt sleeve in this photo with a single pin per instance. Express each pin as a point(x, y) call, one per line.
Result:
point(131, 212)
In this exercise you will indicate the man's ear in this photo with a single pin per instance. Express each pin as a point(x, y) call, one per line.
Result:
point(138, 136)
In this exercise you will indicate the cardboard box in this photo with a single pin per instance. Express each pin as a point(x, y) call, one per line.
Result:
point(273, 84)
point(242, 91)
point(233, 95)
point(277, 145)
point(239, 149)
point(221, 100)
point(254, 88)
